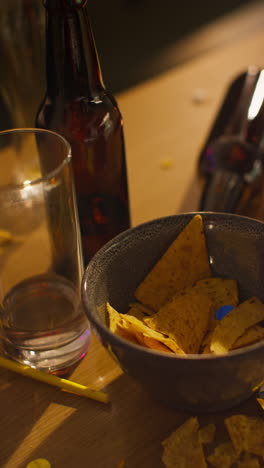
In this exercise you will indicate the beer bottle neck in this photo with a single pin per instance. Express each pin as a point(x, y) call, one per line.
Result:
point(72, 65)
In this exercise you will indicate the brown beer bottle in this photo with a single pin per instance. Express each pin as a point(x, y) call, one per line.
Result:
point(78, 106)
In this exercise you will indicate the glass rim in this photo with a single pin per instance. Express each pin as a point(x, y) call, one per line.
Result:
point(66, 160)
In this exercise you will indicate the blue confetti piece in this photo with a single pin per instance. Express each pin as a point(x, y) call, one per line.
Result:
point(223, 311)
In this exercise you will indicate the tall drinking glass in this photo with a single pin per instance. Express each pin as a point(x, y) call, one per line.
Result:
point(42, 321)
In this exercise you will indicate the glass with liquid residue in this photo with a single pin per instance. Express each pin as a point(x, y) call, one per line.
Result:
point(41, 266)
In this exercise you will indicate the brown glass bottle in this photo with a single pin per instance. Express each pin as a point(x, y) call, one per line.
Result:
point(232, 159)
point(78, 106)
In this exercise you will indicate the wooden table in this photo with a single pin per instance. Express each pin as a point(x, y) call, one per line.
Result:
point(165, 128)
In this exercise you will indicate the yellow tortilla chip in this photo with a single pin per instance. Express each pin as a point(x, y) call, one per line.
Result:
point(182, 448)
point(251, 335)
point(142, 331)
point(113, 317)
point(134, 330)
point(248, 461)
point(139, 310)
point(152, 343)
point(206, 343)
point(261, 402)
point(221, 291)
point(235, 323)
point(246, 433)
point(184, 263)
point(223, 456)
point(184, 319)
point(207, 434)
point(117, 325)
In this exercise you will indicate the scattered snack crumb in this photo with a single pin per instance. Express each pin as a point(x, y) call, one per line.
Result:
point(5, 236)
point(199, 96)
point(39, 463)
point(166, 163)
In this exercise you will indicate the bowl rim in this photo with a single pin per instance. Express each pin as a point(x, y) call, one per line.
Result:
point(122, 342)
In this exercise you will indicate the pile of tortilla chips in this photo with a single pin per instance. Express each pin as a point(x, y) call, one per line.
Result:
point(176, 303)
point(191, 446)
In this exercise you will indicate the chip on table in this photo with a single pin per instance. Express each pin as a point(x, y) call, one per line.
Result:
point(246, 433)
point(244, 447)
point(207, 434)
point(248, 461)
point(223, 456)
point(182, 449)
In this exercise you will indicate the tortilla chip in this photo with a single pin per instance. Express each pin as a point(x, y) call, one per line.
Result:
point(261, 402)
point(182, 448)
point(184, 319)
point(221, 291)
point(251, 335)
point(142, 332)
point(133, 329)
point(153, 343)
point(207, 434)
point(205, 347)
point(184, 263)
point(139, 310)
point(246, 433)
point(235, 323)
point(248, 461)
point(117, 325)
point(113, 317)
point(223, 456)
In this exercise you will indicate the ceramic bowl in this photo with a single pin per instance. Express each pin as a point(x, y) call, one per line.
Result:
point(192, 382)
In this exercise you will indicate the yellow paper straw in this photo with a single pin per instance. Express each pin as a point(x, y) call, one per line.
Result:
point(65, 384)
